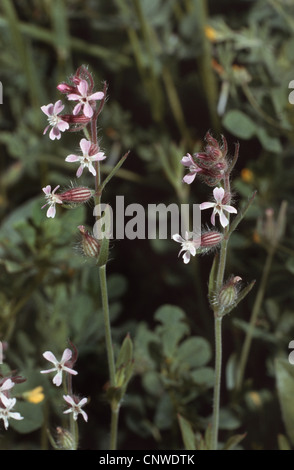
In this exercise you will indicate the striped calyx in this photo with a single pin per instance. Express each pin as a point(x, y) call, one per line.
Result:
point(79, 195)
point(90, 245)
point(211, 239)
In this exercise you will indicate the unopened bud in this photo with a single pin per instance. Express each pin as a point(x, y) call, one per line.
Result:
point(229, 293)
point(65, 440)
point(78, 195)
point(65, 88)
point(211, 239)
point(90, 244)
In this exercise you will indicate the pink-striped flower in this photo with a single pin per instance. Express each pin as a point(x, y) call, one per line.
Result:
point(218, 207)
point(76, 406)
point(86, 160)
point(193, 168)
point(52, 200)
point(59, 366)
point(52, 111)
point(84, 100)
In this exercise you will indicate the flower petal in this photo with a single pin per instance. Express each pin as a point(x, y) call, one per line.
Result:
point(187, 160)
point(62, 126)
point(230, 209)
point(79, 171)
point(223, 219)
point(55, 133)
point(178, 238)
point(48, 109)
point(85, 146)
point(47, 189)
point(69, 400)
point(88, 110)
point(51, 212)
point(77, 109)
point(57, 379)
point(49, 356)
point(83, 87)
point(98, 157)
point(58, 107)
point(73, 97)
point(218, 194)
point(66, 356)
point(206, 205)
point(189, 178)
point(186, 257)
point(72, 158)
point(96, 96)
point(92, 169)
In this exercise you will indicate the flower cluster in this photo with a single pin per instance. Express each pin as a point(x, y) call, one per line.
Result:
point(214, 167)
point(62, 367)
point(211, 164)
point(84, 112)
point(6, 402)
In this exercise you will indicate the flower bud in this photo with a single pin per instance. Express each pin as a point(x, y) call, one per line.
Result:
point(65, 88)
point(229, 293)
point(79, 195)
point(65, 440)
point(90, 245)
point(211, 239)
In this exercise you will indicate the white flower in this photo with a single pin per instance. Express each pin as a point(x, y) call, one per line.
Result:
point(188, 246)
point(193, 168)
point(6, 413)
point(76, 407)
point(85, 160)
point(218, 207)
point(52, 110)
point(59, 366)
point(52, 199)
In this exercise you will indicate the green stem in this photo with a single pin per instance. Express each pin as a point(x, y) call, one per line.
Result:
point(217, 382)
point(110, 357)
point(108, 338)
point(103, 284)
point(218, 329)
point(114, 426)
point(254, 315)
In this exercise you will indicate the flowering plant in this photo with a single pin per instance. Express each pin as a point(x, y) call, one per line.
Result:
point(84, 118)
point(214, 167)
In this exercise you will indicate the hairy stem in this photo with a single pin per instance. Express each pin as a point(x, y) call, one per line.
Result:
point(217, 381)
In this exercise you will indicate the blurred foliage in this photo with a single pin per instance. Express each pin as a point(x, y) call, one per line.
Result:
point(175, 69)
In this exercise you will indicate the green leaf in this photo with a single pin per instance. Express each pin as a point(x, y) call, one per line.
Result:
point(172, 330)
point(168, 314)
point(203, 376)
point(187, 432)
point(233, 441)
point(212, 279)
point(269, 143)
point(239, 124)
point(194, 352)
point(285, 384)
point(163, 418)
point(32, 417)
point(228, 420)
